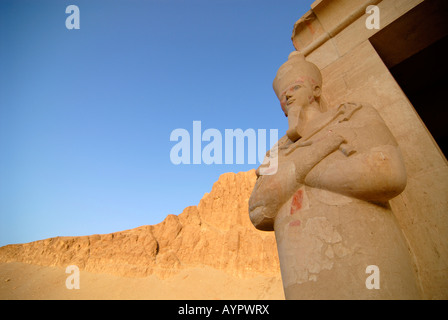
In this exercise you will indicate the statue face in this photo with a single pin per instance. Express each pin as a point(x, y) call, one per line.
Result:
point(299, 94)
point(299, 103)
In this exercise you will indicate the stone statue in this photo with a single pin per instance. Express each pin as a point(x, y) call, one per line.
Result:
point(328, 200)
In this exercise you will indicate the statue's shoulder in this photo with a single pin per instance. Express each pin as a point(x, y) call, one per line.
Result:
point(358, 111)
point(283, 142)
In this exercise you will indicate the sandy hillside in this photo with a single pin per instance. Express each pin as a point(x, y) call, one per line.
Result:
point(209, 251)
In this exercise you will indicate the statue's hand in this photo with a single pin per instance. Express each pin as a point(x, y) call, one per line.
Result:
point(269, 193)
point(314, 151)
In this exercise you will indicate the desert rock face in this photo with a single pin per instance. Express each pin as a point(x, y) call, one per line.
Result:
point(217, 233)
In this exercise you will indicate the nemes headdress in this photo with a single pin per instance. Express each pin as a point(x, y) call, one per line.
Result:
point(294, 70)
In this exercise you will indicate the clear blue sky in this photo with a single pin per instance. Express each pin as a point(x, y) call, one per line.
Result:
point(86, 115)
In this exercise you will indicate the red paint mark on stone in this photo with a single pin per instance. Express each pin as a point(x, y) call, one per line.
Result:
point(297, 199)
point(295, 223)
point(296, 45)
point(311, 99)
point(299, 80)
point(310, 27)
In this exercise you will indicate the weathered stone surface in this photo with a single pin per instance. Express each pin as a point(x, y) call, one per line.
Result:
point(217, 233)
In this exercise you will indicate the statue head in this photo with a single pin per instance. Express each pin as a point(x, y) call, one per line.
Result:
point(298, 87)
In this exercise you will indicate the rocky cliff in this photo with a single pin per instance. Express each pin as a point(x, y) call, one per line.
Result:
point(216, 233)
